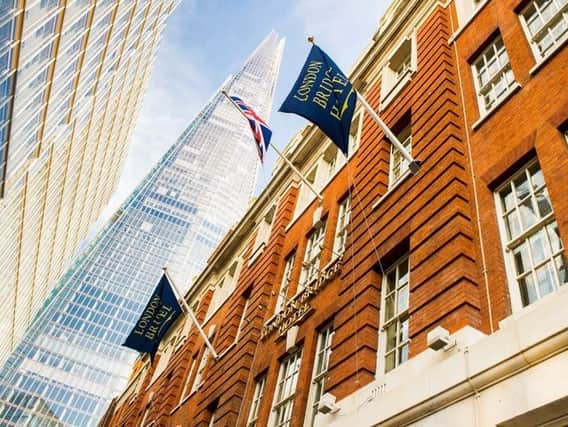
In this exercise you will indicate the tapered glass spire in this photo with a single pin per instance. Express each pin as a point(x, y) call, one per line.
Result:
point(70, 362)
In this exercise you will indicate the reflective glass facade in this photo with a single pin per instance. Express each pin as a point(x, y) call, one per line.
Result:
point(72, 74)
point(70, 363)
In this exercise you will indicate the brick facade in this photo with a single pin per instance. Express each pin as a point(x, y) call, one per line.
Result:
point(444, 219)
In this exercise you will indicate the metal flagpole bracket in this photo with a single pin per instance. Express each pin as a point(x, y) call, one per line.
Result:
point(413, 164)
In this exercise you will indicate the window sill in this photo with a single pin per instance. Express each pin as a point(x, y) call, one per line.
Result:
point(391, 189)
point(514, 89)
point(468, 21)
point(543, 61)
point(256, 254)
point(396, 89)
point(519, 312)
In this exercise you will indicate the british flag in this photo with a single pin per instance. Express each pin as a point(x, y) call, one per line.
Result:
point(260, 130)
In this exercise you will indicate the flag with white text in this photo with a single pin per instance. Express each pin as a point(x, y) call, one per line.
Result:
point(161, 311)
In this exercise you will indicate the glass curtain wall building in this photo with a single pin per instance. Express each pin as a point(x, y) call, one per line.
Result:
point(72, 74)
point(70, 363)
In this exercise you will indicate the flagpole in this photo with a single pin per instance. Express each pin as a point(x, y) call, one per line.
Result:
point(413, 165)
point(191, 315)
point(288, 162)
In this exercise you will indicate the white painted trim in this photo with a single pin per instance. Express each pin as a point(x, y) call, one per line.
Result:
point(462, 28)
point(433, 382)
point(515, 87)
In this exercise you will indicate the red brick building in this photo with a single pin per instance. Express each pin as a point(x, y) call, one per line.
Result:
point(433, 299)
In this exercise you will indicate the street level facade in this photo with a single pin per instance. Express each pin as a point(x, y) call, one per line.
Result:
point(71, 362)
point(72, 74)
point(398, 300)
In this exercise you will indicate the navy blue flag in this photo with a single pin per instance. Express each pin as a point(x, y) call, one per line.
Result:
point(160, 312)
point(323, 95)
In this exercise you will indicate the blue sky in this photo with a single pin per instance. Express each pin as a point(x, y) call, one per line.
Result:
point(205, 40)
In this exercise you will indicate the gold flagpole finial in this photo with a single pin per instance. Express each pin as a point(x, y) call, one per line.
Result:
point(311, 39)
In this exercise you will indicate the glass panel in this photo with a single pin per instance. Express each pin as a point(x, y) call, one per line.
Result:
point(403, 334)
point(403, 299)
point(512, 223)
point(507, 199)
point(543, 202)
point(521, 187)
point(528, 214)
point(389, 361)
point(554, 236)
point(562, 267)
point(391, 336)
point(391, 281)
point(403, 354)
point(545, 280)
point(389, 307)
point(521, 257)
point(539, 248)
point(536, 176)
point(403, 273)
point(528, 292)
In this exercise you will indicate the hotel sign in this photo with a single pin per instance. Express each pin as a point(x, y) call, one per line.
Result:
point(299, 306)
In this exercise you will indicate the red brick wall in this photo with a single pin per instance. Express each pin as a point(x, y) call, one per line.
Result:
point(431, 216)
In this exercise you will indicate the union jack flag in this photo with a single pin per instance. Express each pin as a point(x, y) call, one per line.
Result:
point(260, 130)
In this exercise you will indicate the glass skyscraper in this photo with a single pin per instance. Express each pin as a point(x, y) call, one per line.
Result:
point(70, 363)
point(72, 74)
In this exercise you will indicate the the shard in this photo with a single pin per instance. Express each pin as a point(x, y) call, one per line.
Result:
point(70, 362)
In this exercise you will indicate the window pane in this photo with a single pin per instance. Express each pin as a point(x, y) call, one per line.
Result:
point(545, 281)
point(507, 199)
point(528, 292)
point(389, 307)
point(528, 214)
point(389, 361)
point(554, 236)
point(512, 223)
point(403, 299)
point(403, 354)
point(543, 202)
point(391, 337)
point(521, 257)
point(521, 187)
point(562, 267)
point(539, 248)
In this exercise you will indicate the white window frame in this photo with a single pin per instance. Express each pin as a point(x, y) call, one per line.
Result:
point(522, 238)
point(312, 256)
point(503, 75)
point(188, 386)
point(283, 404)
point(224, 287)
point(285, 284)
point(319, 374)
point(394, 77)
point(560, 15)
point(397, 161)
point(262, 234)
point(198, 381)
point(342, 226)
point(398, 317)
point(256, 401)
point(305, 194)
point(243, 316)
point(355, 132)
